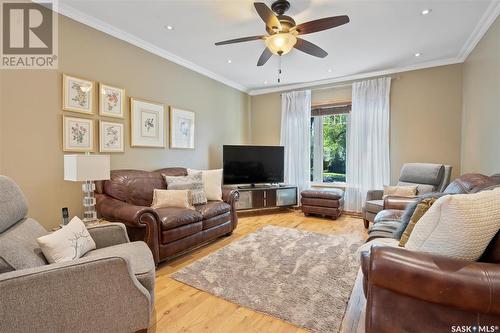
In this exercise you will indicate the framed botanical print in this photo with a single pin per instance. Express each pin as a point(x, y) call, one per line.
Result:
point(110, 137)
point(147, 121)
point(78, 134)
point(111, 101)
point(181, 129)
point(78, 94)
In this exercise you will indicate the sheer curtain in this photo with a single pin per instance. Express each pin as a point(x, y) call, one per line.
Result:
point(296, 138)
point(368, 161)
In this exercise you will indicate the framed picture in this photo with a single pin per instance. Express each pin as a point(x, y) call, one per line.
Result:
point(111, 101)
point(78, 94)
point(147, 121)
point(181, 129)
point(78, 134)
point(110, 137)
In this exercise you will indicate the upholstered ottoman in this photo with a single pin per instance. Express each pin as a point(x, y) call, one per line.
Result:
point(322, 202)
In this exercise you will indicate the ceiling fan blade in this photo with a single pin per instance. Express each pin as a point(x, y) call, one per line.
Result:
point(321, 24)
point(239, 40)
point(310, 48)
point(267, 15)
point(264, 57)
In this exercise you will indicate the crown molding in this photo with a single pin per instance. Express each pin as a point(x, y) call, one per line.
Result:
point(343, 79)
point(97, 24)
point(481, 28)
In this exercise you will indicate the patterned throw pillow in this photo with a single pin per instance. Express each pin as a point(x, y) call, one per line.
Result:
point(192, 182)
point(420, 210)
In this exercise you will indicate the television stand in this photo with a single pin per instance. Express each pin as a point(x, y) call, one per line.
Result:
point(265, 196)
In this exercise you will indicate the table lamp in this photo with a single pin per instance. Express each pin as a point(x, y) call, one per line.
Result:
point(87, 168)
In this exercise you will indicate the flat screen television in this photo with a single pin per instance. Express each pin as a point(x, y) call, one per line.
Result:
point(253, 164)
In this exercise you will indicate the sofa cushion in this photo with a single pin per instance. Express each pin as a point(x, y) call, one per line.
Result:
point(139, 258)
point(13, 205)
point(374, 206)
point(458, 226)
point(173, 217)
point(18, 246)
point(213, 208)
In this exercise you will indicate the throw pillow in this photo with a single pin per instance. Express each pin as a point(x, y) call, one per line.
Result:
point(422, 207)
point(193, 182)
point(212, 181)
point(400, 191)
point(70, 242)
point(172, 198)
point(458, 226)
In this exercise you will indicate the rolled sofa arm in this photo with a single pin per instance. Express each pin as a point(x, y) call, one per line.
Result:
point(397, 202)
point(231, 197)
point(108, 234)
point(436, 279)
point(134, 217)
point(74, 297)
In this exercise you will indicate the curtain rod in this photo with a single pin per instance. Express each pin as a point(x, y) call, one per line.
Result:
point(341, 85)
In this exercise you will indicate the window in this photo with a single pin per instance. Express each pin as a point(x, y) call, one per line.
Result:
point(328, 142)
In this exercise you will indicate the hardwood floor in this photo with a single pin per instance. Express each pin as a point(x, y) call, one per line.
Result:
point(181, 308)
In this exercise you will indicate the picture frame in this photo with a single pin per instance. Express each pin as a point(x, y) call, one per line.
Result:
point(182, 126)
point(147, 123)
point(111, 101)
point(78, 94)
point(111, 136)
point(78, 134)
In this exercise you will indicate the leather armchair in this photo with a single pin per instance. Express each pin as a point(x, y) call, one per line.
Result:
point(417, 292)
point(427, 176)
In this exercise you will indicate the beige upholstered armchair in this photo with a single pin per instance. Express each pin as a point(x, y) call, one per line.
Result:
point(110, 289)
point(429, 178)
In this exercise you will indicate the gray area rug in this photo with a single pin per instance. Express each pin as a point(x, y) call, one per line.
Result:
point(302, 277)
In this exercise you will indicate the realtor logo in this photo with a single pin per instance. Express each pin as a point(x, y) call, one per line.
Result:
point(29, 39)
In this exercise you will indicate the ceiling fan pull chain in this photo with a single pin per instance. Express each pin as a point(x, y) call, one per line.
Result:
point(279, 69)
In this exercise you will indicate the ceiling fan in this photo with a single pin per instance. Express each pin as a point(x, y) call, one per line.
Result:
point(283, 32)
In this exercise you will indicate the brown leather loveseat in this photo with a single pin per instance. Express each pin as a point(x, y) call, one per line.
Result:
point(126, 197)
point(409, 291)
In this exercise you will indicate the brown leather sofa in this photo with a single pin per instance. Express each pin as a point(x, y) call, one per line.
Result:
point(417, 292)
point(126, 197)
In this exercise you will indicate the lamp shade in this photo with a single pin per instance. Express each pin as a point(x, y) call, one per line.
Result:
point(86, 167)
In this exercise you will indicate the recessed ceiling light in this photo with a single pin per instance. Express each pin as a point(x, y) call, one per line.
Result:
point(169, 27)
point(229, 61)
point(265, 82)
point(418, 54)
point(329, 70)
point(426, 11)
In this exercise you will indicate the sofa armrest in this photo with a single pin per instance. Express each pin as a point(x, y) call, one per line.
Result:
point(397, 202)
point(74, 296)
point(134, 218)
point(468, 286)
point(374, 195)
point(230, 195)
point(108, 234)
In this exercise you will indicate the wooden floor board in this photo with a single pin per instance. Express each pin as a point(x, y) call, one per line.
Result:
point(181, 308)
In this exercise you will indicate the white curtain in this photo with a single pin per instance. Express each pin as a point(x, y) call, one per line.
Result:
point(368, 161)
point(296, 138)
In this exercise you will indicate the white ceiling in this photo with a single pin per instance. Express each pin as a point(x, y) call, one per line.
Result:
point(382, 37)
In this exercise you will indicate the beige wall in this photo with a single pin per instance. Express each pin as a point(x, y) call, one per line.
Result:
point(481, 105)
point(425, 116)
point(31, 118)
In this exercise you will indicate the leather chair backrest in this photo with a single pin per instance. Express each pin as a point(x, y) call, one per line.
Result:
point(471, 183)
point(427, 176)
point(136, 186)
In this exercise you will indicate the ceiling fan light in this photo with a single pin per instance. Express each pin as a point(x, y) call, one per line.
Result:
point(281, 43)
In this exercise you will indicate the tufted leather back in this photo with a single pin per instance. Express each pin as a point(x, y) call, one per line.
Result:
point(136, 186)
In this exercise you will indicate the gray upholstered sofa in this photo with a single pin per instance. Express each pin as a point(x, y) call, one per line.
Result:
point(428, 176)
point(110, 289)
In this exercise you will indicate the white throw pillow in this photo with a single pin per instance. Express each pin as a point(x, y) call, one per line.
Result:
point(458, 226)
point(70, 242)
point(172, 198)
point(212, 181)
